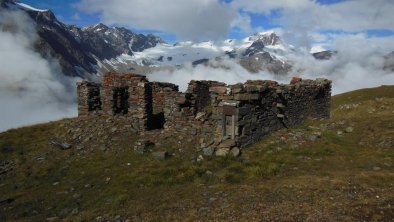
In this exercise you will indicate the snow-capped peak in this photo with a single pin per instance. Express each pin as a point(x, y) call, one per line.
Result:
point(97, 27)
point(268, 38)
point(317, 48)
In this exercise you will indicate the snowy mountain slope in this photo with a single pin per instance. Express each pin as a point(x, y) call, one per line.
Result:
point(261, 51)
point(94, 50)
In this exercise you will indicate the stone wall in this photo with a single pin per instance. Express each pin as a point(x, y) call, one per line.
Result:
point(228, 116)
point(163, 99)
point(89, 101)
point(265, 107)
point(129, 96)
point(224, 117)
point(199, 94)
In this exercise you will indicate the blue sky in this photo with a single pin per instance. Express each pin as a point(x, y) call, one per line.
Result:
point(69, 13)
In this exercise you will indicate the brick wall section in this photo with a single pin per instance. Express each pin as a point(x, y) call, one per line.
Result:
point(138, 98)
point(265, 106)
point(89, 101)
point(199, 94)
point(221, 115)
point(259, 108)
point(126, 95)
point(163, 95)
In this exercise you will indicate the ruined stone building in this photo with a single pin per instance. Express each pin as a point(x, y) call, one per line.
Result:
point(223, 116)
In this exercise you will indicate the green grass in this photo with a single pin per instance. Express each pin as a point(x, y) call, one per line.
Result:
point(334, 178)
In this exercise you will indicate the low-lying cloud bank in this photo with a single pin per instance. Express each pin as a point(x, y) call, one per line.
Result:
point(32, 89)
point(358, 64)
point(227, 71)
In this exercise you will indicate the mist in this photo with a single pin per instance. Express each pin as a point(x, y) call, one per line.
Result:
point(227, 71)
point(32, 89)
point(358, 64)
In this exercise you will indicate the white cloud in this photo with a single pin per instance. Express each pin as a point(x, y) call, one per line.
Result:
point(358, 64)
point(303, 20)
point(353, 16)
point(227, 71)
point(242, 23)
point(192, 19)
point(266, 6)
point(32, 89)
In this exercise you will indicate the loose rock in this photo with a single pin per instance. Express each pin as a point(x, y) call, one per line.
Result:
point(349, 129)
point(208, 151)
point(235, 152)
point(222, 152)
point(161, 155)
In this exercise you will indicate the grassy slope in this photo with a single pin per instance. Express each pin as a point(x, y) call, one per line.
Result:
point(288, 176)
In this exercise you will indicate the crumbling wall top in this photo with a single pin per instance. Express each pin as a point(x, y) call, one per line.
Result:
point(165, 86)
point(261, 82)
point(122, 79)
point(87, 83)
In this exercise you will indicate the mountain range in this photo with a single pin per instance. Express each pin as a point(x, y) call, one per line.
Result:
point(94, 50)
point(79, 50)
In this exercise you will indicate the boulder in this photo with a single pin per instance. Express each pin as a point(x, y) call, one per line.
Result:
point(313, 137)
point(62, 146)
point(349, 129)
point(222, 152)
point(235, 152)
point(200, 115)
point(143, 146)
point(161, 155)
point(200, 158)
point(227, 144)
point(208, 151)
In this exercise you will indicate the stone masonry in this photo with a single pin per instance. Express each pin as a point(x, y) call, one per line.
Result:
point(119, 95)
point(226, 118)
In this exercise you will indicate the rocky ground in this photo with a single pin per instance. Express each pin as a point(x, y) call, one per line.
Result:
point(340, 169)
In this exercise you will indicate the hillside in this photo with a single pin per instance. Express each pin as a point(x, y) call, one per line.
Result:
point(341, 169)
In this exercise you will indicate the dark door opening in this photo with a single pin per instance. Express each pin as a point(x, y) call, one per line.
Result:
point(157, 121)
point(94, 100)
point(120, 100)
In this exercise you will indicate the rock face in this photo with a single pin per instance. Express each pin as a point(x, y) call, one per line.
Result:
point(324, 55)
point(107, 43)
point(265, 61)
point(99, 49)
point(55, 41)
point(230, 119)
point(256, 58)
point(79, 50)
point(256, 47)
point(266, 38)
